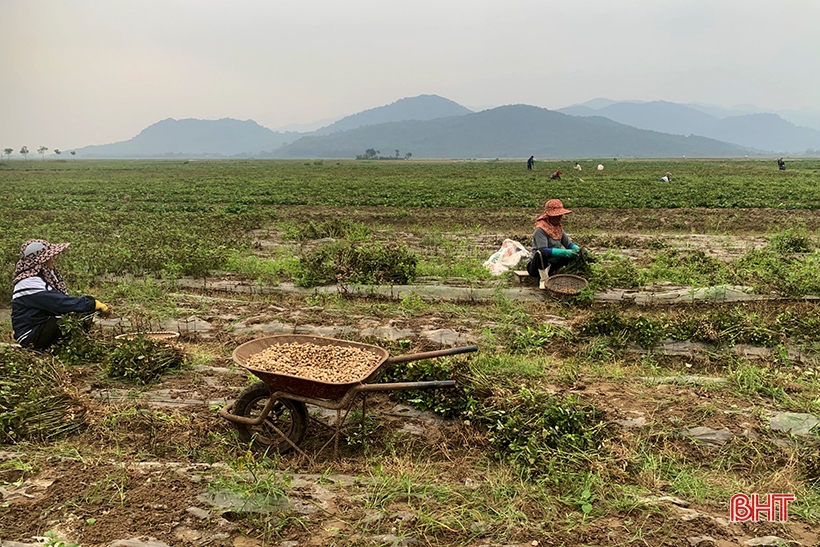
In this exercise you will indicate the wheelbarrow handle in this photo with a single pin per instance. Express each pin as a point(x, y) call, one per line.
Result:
point(429, 355)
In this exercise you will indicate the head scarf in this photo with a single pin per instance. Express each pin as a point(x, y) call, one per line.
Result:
point(550, 219)
point(33, 265)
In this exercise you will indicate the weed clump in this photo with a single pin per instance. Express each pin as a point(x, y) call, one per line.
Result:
point(788, 275)
point(615, 271)
point(793, 240)
point(335, 228)
point(530, 428)
point(443, 402)
point(344, 262)
point(525, 425)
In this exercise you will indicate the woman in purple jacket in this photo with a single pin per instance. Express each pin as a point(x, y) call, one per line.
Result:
point(40, 296)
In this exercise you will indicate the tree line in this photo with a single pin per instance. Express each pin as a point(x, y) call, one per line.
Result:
point(373, 154)
point(24, 151)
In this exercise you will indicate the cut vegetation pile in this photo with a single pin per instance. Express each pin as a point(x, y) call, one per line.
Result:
point(35, 404)
point(142, 360)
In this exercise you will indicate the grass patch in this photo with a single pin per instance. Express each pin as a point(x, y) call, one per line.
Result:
point(343, 262)
point(334, 228)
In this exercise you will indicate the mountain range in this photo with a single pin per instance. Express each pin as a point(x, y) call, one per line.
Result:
point(761, 131)
point(507, 132)
point(429, 126)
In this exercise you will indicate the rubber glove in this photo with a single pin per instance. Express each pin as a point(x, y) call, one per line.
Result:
point(574, 247)
point(564, 253)
point(102, 308)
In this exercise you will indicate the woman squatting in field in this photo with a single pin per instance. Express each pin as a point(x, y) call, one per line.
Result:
point(40, 296)
point(552, 248)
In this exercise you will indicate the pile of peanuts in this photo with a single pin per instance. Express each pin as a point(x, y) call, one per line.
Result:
point(329, 364)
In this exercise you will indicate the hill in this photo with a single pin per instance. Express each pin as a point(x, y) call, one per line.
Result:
point(192, 137)
point(422, 107)
point(507, 132)
point(762, 131)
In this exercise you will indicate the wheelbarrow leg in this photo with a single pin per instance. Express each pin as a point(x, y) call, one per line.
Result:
point(291, 443)
point(336, 435)
point(364, 422)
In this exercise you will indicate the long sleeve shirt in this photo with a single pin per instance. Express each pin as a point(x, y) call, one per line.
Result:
point(541, 240)
point(33, 302)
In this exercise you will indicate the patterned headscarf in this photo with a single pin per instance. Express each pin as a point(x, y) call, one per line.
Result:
point(33, 265)
point(550, 219)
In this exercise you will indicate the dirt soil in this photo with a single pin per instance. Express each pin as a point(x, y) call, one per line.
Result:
point(142, 465)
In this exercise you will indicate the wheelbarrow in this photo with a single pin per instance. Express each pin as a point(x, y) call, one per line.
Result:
point(272, 414)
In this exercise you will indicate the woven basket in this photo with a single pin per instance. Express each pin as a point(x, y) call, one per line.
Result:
point(565, 285)
point(159, 336)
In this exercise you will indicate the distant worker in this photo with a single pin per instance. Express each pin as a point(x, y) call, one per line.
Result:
point(552, 249)
point(530, 162)
point(578, 166)
point(39, 297)
point(556, 175)
point(666, 178)
point(600, 167)
point(781, 164)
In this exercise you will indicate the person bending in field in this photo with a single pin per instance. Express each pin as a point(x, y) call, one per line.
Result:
point(556, 175)
point(530, 163)
point(40, 296)
point(552, 249)
point(666, 178)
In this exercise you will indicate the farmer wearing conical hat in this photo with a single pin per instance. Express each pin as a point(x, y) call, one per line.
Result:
point(552, 248)
point(40, 296)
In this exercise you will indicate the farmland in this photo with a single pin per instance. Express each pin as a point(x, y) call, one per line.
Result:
point(576, 423)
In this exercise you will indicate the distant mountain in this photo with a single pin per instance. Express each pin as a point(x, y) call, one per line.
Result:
point(654, 116)
point(767, 131)
point(507, 132)
point(423, 107)
point(601, 102)
point(803, 117)
point(578, 110)
point(225, 137)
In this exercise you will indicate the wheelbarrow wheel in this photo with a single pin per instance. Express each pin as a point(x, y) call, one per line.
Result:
point(288, 416)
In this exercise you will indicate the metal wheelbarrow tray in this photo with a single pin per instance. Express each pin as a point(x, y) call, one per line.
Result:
point(285, 396)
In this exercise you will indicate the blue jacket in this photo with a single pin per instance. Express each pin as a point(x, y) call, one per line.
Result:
point(33, 302)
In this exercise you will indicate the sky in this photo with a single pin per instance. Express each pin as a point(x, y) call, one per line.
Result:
point(82, 72)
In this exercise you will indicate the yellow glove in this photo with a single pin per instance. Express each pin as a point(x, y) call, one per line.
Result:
point(102, 308)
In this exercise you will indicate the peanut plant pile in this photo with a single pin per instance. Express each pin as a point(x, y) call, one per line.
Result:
point(330, 364)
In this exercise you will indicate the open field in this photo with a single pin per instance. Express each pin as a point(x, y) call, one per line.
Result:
point(629, 415)
point(217, 186)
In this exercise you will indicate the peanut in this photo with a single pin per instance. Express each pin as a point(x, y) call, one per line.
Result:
point(323, 363)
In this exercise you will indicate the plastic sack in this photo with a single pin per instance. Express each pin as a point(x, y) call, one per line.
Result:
point(508, 256)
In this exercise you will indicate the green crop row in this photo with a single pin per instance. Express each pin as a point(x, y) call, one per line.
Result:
point(239, 186)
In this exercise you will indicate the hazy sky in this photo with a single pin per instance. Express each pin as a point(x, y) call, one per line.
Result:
point(79, 72)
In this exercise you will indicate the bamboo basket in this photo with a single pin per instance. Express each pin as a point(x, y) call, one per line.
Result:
point(565, 285)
